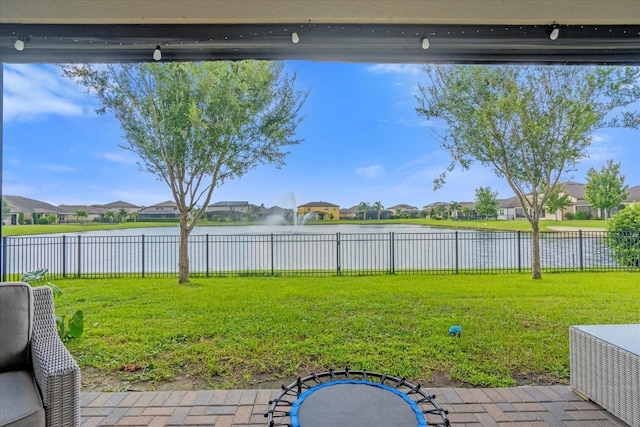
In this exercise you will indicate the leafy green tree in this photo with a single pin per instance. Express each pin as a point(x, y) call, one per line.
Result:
point(81, 214)
point(197, 125)
point(605, 189)
point(530, 124)
point(486, 201)
point(624, 235)
point(253, 211)
point(52, 218)
point(466, 212)
point(109, 216)
point(558, 200)
point(378, 207)
point(133, 216)
point(441, 211)
point(364, 207)
point(6, 209)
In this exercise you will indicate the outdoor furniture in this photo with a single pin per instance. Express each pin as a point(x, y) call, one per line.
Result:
point(39, 380)
point(354, 399)
point(605, 367)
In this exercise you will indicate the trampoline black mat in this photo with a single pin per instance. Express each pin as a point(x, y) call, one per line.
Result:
point(355, 403)
point(354, 399)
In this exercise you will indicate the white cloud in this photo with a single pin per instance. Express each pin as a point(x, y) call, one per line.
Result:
point(116, 157)
point(51, 167)
point(602, 149)
point(412, 69)
point(32, 92)
point(370, 171)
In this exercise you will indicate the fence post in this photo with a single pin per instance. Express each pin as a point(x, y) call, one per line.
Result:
point(338, 254)
point(457, 253)
point(64, 256)
point(206, 254)
point(581, 252)
point(272, 255)
point(79, 255)
point(4, 259)
point(519, 253)
point(142, 255)
point(392, 254)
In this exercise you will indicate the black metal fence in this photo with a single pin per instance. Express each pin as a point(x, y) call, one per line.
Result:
point(306, 254)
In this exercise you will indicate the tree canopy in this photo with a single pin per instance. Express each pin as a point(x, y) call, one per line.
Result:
point(624, 235)
point(6, 209)
point(196, 125)
point(605, 189)
point(486, 201)
point(557, 200)
point(530, 124)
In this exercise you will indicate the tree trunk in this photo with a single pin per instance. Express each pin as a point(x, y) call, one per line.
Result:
point(535, 252)
point(183, 252)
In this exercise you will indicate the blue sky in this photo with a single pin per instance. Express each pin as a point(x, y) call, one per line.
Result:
point(363, 141)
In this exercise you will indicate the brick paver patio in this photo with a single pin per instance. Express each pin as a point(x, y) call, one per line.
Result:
point(552, 406)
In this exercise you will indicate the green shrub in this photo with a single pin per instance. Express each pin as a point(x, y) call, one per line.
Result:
point(624, 236)
point(569, 216)
point(43, 221)
point(582, 215)
point(21, 218)
point(67, 330)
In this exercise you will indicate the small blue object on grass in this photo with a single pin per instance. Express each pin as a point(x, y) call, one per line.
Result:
point(455, 331)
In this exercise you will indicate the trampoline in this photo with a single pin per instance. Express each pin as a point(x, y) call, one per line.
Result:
point(354, 399)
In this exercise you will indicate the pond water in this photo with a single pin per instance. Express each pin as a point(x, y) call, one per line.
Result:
point(309, 249)
point(268, 229)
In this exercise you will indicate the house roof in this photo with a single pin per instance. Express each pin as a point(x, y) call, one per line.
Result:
point(318, 205)
point(634, 194)
point(153, 209)
point(403, 206)
point(575, 190)
point(350, 210)
point(434, 204)
point(167, 203)
point(27, 206)
point(275, 210)
point(119, 204)
point(511, 202)
point(242, 203)
point(72, 209)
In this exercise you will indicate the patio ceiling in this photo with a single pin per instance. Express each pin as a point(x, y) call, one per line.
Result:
point(460, 31)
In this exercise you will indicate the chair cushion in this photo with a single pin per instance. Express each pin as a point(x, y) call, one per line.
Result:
point(16, 320)
point(21, 404)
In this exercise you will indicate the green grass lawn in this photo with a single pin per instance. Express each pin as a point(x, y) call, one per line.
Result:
point(231, 332)
point(518, 225)
point(23, 230)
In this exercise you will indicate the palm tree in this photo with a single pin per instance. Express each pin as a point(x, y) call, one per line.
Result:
point(454, 207)
point(441, 211)
point(378, 206)
point(81, 214)
point(122, 214)
point(133, 216)
point(364, 207)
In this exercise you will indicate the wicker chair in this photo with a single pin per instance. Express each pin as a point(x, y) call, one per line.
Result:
point(39, 380)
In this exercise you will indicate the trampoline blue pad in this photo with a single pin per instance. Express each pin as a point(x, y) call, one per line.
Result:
point(355, 403)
